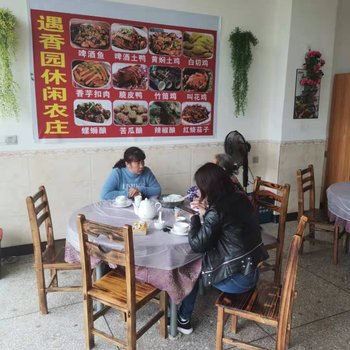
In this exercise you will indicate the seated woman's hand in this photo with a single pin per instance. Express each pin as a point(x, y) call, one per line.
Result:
point(201, 206)
point(133, 192)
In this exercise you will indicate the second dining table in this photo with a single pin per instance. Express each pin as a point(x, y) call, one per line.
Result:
point(338, 201)
point(162, 259)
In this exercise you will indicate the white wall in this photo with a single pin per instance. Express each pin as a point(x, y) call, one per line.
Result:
point(342, 47)
point(312, 26)
point(285, 29)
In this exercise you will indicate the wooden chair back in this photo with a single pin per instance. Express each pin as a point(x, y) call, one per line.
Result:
point(117, 289)
point(318, 217)
point(288, 286)
point(122, 254)
point(51, 256)
point(268, 303)
point(274, 197)
point(306, 183)
point(40, 222)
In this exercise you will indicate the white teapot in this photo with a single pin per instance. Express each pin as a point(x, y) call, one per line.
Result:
point(147, 209)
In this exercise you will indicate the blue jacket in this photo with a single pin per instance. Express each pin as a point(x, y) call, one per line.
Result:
point(120, 179)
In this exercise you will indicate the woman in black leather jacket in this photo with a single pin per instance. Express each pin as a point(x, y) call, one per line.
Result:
point(229, 238)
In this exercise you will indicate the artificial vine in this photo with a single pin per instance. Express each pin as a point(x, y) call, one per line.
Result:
point(8, 43)
point(241, 59)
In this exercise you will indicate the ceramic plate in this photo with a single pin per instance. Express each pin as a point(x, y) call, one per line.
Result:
point(179, 233)
point(127, 204)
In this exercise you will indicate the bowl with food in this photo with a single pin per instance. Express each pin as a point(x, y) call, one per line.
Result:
point(129, 38)
point(129, 76)
point(171, 200)
point(96, 112)
point(196, 113)
point(88, 34)
point(91, 74)
point(166, 42)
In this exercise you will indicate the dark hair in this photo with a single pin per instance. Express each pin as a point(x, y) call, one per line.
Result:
point(131, 154)
point(226, 162)
point(213, 182)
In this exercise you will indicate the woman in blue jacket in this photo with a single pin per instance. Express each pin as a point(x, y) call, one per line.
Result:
point(130, 177)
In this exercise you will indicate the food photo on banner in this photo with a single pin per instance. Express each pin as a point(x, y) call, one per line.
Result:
point(103, 77)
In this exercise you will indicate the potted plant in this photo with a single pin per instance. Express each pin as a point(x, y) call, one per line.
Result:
point(241, 59)
point(8, 43)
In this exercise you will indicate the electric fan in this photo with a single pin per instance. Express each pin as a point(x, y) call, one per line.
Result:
point(238, 148)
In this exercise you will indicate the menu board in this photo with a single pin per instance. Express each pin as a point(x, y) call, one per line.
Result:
point(101, 77)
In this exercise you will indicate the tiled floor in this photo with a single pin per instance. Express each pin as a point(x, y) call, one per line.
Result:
point(321, 317)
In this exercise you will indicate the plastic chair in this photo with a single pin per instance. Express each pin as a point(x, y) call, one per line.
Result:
point(268, 303)
point(52, 256)
point(118, 289)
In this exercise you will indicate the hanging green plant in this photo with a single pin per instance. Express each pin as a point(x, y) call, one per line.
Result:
point(241, 59)
point(8, 43)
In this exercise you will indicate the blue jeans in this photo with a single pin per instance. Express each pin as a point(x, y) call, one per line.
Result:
point(234, 284)
point(239, 283)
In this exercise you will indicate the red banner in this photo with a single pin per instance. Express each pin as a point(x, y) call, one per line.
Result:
point(106, 78)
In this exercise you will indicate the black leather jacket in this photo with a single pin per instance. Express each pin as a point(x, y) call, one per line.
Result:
point(229, 237)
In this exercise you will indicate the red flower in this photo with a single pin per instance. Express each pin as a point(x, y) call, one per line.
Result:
point(313, 54)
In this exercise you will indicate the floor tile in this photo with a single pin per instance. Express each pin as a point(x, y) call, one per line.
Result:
point(18, 291)
point(321, 317)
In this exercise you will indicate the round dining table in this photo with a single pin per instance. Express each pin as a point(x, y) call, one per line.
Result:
point(338, 200)
point(162, 259)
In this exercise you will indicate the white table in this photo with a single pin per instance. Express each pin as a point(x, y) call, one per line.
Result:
point(162, 259)
point(338, 198)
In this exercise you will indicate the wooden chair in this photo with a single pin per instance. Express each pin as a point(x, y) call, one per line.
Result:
point(52, 257)
point(274, 197)
point(318, 218)
point(268, 303)
point(116, 289)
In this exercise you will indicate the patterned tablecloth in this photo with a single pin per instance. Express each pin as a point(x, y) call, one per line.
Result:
point(164, 260)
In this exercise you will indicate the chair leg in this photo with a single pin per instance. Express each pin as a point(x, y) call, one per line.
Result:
point(289, 326)
point(89, 322)
point(40, 281)
point(53, 272)
point(219, 328)
point(312, 234)
point(278, 262)
point(335, 244)
point(347, 241)
point(131, 332)
point(163, 304)
point(234, 320)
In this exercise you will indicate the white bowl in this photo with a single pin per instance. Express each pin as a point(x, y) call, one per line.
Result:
point(121, 200)
point(159, 224)
point(181, 227)
point(180, 218)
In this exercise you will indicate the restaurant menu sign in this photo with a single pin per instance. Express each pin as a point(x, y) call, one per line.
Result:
point(102, 77)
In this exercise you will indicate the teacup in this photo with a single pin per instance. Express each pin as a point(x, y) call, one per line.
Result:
point(121, 200)
point(181, 227)
point(159, 224)
point(137, 200)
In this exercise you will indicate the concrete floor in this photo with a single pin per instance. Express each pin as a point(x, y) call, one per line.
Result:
point(321, 316)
